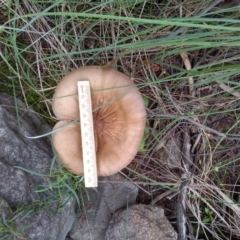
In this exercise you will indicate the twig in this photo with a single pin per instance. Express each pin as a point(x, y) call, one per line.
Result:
point(186, 152)
point(191, 90)
point(135, 184)
point(196, 142)
point(212, 5)
point(229, 90)
point(227, 200)
point(187, 64)
point(182, 219)
point(162, 184)
point(160, 197)
point(181, 209)
point(189, 120)
point(195, 123)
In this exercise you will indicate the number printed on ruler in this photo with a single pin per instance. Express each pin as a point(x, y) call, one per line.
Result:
point(87, 134)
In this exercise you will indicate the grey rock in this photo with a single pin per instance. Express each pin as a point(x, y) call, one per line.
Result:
point(46, 224)
point(99, 205)
point(140, 222)
point(16, 150)
point(4, 209)
point(14, 186)
point(20, 155)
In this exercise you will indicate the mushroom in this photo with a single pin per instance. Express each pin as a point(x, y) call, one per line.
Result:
point(119, 118)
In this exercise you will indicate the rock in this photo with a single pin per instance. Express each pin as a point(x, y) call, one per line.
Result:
point(4, 208)
point(14, 186)
point(140, 222)
point(171, 153)
point(16, 150)
point(39, 219)
point(46, 224)
point(99, 205)
point(4, 213)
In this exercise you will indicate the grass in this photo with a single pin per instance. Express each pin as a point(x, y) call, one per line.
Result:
point(41, 41)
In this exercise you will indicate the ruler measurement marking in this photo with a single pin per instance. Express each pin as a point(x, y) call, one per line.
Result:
point(87, 134)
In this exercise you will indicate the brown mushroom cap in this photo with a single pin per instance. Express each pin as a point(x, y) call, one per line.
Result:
point(118, 113)
point(66, 141)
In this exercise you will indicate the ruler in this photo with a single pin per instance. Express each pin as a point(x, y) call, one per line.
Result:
point(87, 134)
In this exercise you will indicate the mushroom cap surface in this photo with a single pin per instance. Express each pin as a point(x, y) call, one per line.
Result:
point(119, 118)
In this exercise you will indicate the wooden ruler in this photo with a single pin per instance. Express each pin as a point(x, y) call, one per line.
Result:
point(87, 132)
